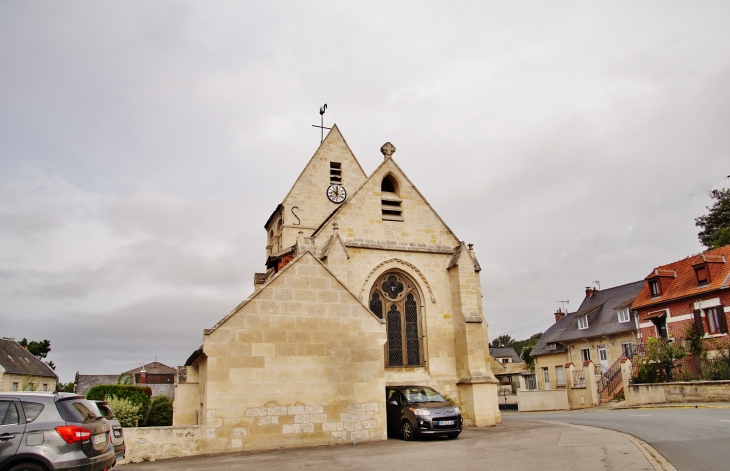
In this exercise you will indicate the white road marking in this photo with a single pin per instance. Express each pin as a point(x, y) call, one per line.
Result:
point(641, 415)
point(723, 420)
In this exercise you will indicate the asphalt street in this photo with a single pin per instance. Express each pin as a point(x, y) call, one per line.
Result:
point(690, 439)
point(514, 445)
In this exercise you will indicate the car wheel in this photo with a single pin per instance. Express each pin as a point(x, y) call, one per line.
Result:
point(451, 436)
point(27, 467)
point(406, 430)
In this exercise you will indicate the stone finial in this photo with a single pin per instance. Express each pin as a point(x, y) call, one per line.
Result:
point(387, 150)
point(335, 226)
point(471, 247)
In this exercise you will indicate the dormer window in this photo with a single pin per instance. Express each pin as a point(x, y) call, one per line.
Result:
point(623, 315)
point(583, 322)
point(552, 346)
point(655, 288)
point(336, 173)
point(703, 274)
point(390, 200)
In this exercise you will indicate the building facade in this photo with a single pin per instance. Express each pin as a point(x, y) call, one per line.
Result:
point(688, 293)
point(21, 371)
point(365, 286)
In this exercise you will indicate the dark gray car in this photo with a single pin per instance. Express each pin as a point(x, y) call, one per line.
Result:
point(49, 431)
point(415, 411)
point(117, 434)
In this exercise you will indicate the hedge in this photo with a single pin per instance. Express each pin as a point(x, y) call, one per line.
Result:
point(160, 412)
point(138, 395)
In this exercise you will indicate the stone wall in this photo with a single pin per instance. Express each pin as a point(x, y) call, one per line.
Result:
point(691, 391)
point(156, 443)
point(530, 401)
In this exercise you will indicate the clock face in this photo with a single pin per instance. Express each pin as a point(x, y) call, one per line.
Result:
point(336, 193)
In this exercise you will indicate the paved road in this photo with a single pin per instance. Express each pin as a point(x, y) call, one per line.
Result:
point(690, 439)
point(515, 445)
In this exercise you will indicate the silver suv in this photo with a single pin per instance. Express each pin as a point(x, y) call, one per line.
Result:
point(49, 431)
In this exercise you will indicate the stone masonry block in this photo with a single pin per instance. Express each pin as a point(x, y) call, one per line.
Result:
point(350, 426)
point(339, 435)
point(296, 410)
point(367, 424)
point(372, 406)
point(274, 419)
point(265, 420)
point(316, 418)
point(313, 409)
point(329, 426)
point(307, 428)
point(210, 414)
point(301, 419)
point(292, 428)
point(255, 412)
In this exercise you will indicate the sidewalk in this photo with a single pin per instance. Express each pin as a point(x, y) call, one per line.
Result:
point(619, 405)
point(543, 445)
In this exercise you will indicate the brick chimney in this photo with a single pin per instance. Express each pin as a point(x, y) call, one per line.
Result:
point(143, 376)
point(589, 292)
point(559, 314)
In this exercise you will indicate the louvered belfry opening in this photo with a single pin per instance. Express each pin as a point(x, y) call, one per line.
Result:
point(336, 172)
point(390, 201)
point(395, 299)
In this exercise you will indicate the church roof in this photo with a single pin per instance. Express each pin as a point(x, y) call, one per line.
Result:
point(457, 254)
point(386, 161)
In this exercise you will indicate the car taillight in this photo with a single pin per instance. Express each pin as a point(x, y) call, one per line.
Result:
point(73, 433)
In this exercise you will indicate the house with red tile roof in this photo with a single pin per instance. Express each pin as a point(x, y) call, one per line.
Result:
point(692, 291)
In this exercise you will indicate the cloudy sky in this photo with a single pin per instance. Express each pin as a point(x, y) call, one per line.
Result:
point(144, 144)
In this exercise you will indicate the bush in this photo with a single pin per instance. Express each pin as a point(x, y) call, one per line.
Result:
point(137, 395)
point(126, 412)
point(160, 412)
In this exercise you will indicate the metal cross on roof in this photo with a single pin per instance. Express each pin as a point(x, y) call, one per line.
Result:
point(321, 126)
point(387, 150)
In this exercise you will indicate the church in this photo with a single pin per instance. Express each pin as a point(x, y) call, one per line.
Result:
point(365, 286)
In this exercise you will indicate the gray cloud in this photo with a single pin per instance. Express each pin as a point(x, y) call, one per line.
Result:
point(143, 146)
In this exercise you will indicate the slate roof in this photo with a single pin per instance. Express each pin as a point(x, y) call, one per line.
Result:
point(18, 361)
point(154, 368)
point(602, 318)
point(508, 352)
point(685, 282)
point(86, 382)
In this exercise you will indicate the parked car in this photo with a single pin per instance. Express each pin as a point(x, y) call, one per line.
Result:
point(52, 431)
point(117, 434)
point(415, 411)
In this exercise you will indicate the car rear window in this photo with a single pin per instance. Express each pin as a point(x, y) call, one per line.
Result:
point(105, 410)
point(8, 413)
point(77, 410)
point(32, 410)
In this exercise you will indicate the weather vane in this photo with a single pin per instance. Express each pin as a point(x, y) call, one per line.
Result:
point(321, 126)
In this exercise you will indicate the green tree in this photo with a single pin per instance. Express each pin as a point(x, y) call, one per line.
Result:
point(716, 223)
point(502, 341)
point(160, 412)
point(37, 349)
point(127, 413)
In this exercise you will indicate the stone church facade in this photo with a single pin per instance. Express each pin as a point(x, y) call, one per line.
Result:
point(365, 286)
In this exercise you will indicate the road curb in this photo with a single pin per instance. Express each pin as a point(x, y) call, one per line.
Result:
point(654, 457)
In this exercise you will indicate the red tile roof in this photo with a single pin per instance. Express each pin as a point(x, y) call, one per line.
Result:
point(685, 282)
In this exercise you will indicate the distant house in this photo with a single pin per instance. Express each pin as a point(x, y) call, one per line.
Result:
point(507, 366)
point(602, 330)
point(20, 370)
point(691, 291)
point(159, 377)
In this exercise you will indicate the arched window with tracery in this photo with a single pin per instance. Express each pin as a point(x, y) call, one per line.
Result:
point(395, 298)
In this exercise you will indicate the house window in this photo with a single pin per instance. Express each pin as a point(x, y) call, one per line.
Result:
point(14, 387)
point(654, 288)
point(395, 298)
point(530, 382)
point(45, 387)
point(703, 274)
point(623, 315)
point(627, 349)
point(583, 322)
point(560, 375)
point(552, 346)
point(585, 353)
point(390, 200)
point(716, 320)
point(546, 377)
point(336, 173)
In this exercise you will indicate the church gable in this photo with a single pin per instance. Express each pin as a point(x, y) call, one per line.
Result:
point(307, 203)
point(389, 210)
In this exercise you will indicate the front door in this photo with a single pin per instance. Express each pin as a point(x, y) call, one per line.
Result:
point(603, 358)
point(12, 425)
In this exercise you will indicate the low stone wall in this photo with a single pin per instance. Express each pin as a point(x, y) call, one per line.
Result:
point(691, 391)
point(529, 401)
point(157, 443)
point(580, 398)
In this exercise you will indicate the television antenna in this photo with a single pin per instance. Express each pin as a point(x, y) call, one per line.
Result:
point(567, 301)
point(598, 283)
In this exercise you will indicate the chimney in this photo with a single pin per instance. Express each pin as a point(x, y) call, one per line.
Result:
point(589, 292)
point(559, 314)
point(143, 376)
